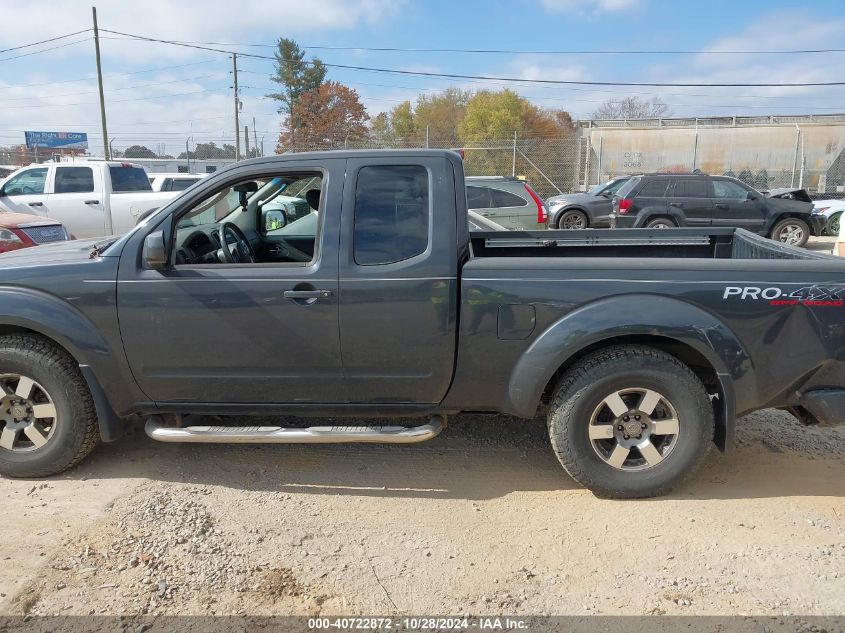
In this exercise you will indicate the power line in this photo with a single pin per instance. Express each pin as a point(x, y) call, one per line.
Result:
point(499, 51)
point(90, 92)
point(52, 39)
point(90, 77)
point(45, 50)
point(565, 82)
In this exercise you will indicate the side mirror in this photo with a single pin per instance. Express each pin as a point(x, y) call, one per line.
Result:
point(750, 196)
point(154, 254)
point(272, 219)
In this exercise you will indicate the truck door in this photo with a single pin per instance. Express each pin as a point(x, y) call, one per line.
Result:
point(236, 333)
point(76, 200)
point(690, 198)
point(733, 207)
point(25, 192)
point(398, 281)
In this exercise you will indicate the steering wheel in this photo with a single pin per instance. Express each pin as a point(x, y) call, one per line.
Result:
point(242, 252)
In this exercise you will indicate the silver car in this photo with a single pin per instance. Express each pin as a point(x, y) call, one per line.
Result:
point(508, 201)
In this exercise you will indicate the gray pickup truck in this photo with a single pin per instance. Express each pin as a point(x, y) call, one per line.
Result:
point(643, 346)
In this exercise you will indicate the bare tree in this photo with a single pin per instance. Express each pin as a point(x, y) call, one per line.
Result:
point(632, 108)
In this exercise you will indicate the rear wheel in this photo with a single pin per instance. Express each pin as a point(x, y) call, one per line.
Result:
point(833, 225)
point(791, 231)
point(660, 223)
point(572, 220)
point(630, 422)
point(47, 417)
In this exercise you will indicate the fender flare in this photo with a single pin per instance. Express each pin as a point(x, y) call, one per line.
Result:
point(641, 316)
point(648, 214)
point(61, 322)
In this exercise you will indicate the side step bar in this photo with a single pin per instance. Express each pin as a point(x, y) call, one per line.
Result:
point(156, 429)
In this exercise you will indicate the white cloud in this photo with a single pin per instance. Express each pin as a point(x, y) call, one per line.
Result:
point(590, 6)
point(193, 20)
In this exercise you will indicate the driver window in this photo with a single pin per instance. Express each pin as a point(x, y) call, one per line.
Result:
point(270, 219)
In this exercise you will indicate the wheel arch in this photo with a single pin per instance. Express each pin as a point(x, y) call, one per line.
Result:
point(694, 336)
point(33, 313)
point(574, 207)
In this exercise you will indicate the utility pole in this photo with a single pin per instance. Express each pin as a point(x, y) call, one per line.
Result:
point(237, 107)
point(106, 152)
point(254, 136)
point(246, 141)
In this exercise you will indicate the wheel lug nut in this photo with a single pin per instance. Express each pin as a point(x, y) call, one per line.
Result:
point(626, 418)
point(636, 417)
point(643, 425)
point(620, 427)
point(627, 437)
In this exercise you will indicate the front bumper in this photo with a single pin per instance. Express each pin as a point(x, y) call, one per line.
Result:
point(817, 224)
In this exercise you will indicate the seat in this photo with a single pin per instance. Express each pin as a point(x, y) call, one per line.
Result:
point(312, 197)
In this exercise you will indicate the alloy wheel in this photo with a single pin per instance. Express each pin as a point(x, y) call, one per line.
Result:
point(572, 220)
point(634, 429)
point(28, 415)
point(791, 234)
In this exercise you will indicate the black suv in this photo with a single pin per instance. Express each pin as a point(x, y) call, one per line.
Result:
point(695, 200)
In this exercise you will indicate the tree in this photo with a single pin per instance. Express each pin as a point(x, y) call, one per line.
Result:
point(632, 108)
point(332, 116)
point(491, 116)
point(441, 114)
point(139, 151)
point(210, 151)
point(296, 77)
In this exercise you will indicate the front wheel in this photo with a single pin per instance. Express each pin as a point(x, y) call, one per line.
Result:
point(833, 225)
point(630, 422)
point(47, 417)
point(791, 231)
point(572, 220)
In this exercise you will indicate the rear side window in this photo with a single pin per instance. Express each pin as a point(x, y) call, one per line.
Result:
point(74, 180)
point(506, 199)
point(655, 188)
point(128, 178)
point(478, 198)
point(180, 184)
point(691, 188)
point(391, 214)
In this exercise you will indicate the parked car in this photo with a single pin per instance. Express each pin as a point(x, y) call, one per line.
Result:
point(643, 350)
point(83, 195)
point(831, 212)
point(511, 202)
point(584, 210)
point(699, 200)
point(173, 182)
point(18, 230)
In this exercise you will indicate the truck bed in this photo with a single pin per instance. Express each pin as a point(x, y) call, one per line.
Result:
point(713, 243)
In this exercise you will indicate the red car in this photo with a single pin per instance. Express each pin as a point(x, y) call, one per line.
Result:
point(18, 230)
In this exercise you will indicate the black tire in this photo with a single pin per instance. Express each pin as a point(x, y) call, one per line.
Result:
point(660, 222)
point(797, 236)
point(583, 390)
point(75, 430)
point(573, 219)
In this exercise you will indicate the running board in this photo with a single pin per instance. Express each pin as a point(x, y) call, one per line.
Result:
point(156, 429)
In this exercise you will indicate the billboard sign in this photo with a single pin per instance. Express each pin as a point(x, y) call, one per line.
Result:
point(57, 140)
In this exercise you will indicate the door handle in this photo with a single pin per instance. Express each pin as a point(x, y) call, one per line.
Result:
point(308, 294)
point(36, 204)
point(721, 206)
point(676, 204)
point(92, 202)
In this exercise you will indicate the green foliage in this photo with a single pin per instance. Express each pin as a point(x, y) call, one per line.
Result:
point(294, 74)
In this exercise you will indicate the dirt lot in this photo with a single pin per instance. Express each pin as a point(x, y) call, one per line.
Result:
point(479, 520)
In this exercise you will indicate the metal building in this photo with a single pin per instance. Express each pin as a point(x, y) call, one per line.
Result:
point(765, 151)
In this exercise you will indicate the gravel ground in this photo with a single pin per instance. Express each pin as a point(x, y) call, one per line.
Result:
point(480, 520)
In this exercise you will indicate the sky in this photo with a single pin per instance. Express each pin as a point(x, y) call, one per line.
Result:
point(165, 96)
